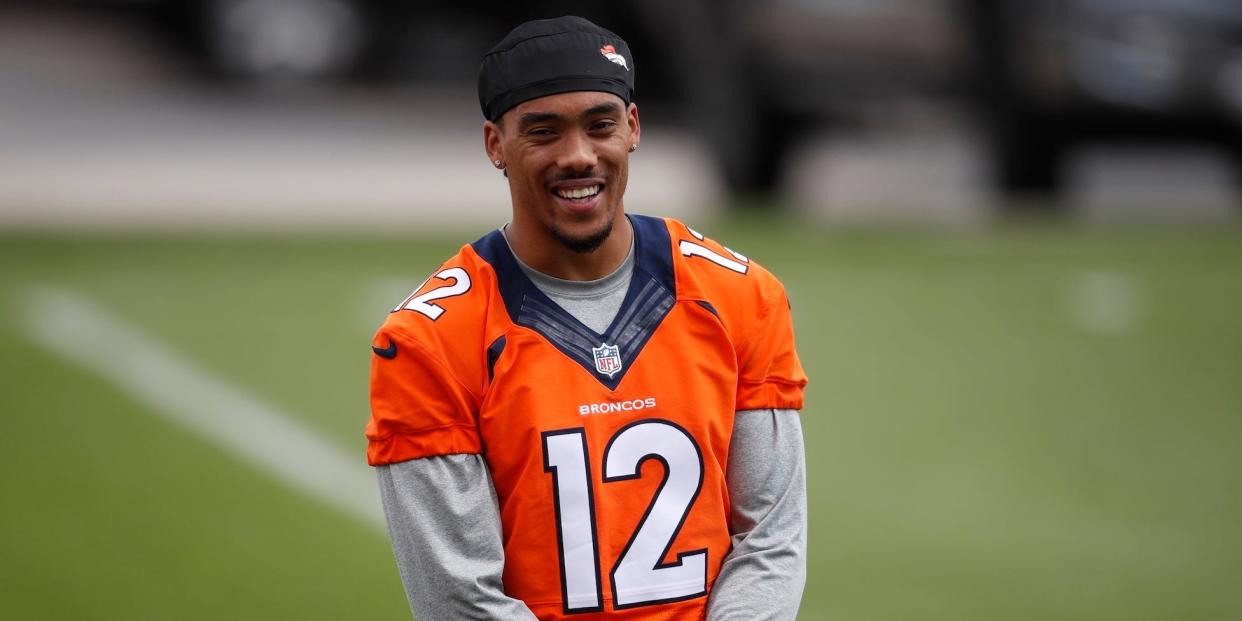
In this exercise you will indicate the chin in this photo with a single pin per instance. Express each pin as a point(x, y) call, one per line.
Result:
point(584, 243)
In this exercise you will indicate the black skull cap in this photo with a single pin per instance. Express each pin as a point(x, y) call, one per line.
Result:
point(549, 56)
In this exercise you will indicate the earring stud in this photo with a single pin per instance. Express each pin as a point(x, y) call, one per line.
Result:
point(497, 163)
point(633, 148)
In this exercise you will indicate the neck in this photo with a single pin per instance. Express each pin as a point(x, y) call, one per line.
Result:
point(547, 255)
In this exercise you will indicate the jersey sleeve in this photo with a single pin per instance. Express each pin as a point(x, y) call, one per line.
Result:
point(770, 374)
point(419, 408)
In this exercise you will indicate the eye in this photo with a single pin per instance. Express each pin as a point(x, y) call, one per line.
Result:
point(541, 132)
point(604, 125)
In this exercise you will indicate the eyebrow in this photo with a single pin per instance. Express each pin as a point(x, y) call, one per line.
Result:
point(531, 118)
point(608, 107)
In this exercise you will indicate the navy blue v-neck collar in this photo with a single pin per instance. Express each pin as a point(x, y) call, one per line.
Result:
point(648, 300)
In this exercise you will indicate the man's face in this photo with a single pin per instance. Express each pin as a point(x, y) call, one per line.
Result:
point(567, 158)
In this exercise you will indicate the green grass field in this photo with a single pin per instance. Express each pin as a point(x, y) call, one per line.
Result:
point(1034, 422)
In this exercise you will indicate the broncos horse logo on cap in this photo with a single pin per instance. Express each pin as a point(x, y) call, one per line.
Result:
point(610, 53)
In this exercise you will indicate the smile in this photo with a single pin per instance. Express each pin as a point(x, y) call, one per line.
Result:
point(579, 193)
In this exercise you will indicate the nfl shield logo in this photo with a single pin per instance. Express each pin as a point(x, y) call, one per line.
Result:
point(607, 359)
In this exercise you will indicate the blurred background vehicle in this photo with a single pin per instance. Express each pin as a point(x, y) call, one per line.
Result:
point(756, 80)
point(1051, 75)
point(752, 79)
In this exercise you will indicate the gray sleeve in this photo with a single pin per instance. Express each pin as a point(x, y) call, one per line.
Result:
point(763, 575)
point(444, 524)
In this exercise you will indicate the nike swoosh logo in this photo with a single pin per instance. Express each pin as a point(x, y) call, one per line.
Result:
point(389, 352)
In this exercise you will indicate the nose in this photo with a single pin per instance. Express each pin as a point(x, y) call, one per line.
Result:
point(578, 152)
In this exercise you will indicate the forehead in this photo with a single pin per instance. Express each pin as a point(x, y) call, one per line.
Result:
point(571, 104)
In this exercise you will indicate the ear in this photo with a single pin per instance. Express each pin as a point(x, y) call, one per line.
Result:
point(631, 119)
point(492, 141)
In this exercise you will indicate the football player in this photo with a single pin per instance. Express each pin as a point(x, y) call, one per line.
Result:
point(586, 413)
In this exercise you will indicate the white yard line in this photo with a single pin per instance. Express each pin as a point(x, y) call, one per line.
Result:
point(174, 388)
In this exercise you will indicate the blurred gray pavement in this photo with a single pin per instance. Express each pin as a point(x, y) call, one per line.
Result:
point(927, 163)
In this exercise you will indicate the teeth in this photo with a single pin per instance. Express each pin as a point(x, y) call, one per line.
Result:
point(579, 192)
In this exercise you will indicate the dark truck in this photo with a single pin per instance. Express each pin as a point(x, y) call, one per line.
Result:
point(1053, 74)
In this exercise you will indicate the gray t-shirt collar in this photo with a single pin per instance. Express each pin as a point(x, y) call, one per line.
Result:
point(559, 287)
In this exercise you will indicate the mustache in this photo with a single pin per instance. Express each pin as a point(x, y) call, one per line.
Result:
point(570, 175)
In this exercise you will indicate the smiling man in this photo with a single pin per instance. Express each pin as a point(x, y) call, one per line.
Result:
point(586, 413)
point(567, 160)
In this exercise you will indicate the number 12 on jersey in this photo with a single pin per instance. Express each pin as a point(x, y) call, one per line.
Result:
point(638, 578)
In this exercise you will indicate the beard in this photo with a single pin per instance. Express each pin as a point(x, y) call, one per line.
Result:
point(584, 244)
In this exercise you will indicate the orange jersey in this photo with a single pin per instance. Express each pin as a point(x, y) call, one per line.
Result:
point(608, 451)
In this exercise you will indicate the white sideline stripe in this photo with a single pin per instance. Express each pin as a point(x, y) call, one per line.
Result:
point(172, 387)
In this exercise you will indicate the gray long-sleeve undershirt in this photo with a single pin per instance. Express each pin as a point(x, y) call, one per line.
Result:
point(444, 521)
